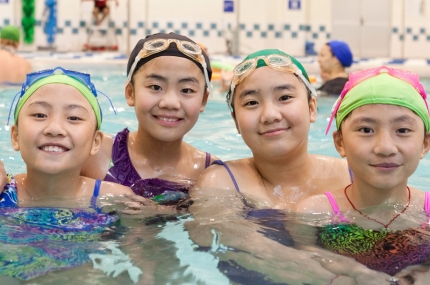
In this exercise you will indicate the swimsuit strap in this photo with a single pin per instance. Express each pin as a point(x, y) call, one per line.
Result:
point(335, 207)
point(351, 175)
point(208, 160)
point(427, 205)
point(220, 162)
point(95, 193)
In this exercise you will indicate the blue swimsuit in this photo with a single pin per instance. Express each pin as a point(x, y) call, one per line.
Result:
point(8, 198)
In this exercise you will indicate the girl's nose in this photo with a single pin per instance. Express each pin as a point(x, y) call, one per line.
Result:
point(170, 100)
point(270, 112)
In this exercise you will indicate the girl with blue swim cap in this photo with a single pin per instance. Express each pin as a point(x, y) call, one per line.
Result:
point(382, 120)
point(50, 215)
point(57, 121)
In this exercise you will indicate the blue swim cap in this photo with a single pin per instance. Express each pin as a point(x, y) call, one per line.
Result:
point(341, 51)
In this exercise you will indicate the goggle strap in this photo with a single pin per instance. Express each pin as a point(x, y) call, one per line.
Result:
point(130, 73)
point(205, 71)
point(11, 106)
point(110, 101)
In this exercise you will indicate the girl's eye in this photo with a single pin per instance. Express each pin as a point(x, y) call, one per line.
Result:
point(187, 90)
point(251, 103)
point(366, 130)
point(403, 130)
point(74, 118)
point(285, 98)
point(39, 115)
point(155, 87)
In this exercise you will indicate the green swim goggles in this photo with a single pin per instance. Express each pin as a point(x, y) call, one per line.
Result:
point(274, 61)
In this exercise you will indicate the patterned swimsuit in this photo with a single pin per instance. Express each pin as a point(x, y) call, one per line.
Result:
point(35, 241)
point(386, 251)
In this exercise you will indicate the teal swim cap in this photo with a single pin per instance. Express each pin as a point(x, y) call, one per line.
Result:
point(10, 33)
point(383, 89)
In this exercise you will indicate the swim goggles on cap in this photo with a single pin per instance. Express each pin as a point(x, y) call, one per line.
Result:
point(190, 49)
point(275, 61)
point(359, 76)
point(33, 77)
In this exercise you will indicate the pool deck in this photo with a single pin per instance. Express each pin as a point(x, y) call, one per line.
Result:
point(420, 66)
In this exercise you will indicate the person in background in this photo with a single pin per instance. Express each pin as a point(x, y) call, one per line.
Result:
point(378, 219)
point(13, 68)
point(333, 58)
point(101, 10)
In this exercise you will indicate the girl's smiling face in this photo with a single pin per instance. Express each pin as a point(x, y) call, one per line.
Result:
point(272, 113)
point(168, 94)
point(56, 130)
point(383, 144)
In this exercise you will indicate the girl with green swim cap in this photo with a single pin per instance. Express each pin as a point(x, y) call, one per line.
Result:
point(383, 126)
point(57, 122)
point(273, 104)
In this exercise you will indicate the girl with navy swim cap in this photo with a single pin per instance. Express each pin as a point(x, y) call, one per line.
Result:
point(168, 77)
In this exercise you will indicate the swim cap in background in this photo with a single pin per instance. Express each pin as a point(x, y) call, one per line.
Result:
point(10, 33)
point(341, 51)
point(172, 50)
point(383, 89)
point(62, 79)
point(267, 52)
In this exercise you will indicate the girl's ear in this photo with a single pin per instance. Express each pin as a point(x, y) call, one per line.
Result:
point(313, 109)
point(129, 94)
point(97, 142)
point(205, 100)
point(233, 115)
point(14, 137)
point(338, 143)
point(426, 145)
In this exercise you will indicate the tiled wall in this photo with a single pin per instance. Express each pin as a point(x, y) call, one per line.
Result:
point(263, 24)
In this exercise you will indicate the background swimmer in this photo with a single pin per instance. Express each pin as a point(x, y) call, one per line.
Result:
point(13, 67)
point(333, 58)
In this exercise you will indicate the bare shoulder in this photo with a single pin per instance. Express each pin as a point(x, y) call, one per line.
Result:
point(333, 172)
point(114, 189)
point(217, 176)
point(313, 204)
point(97, 165)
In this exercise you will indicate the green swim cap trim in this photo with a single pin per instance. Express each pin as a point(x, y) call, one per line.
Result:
point(383, 89)
point(10, 33)
point(61, 79)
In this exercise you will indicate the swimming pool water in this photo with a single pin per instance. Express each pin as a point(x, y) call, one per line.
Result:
point(158, 244)
point(214, 132)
